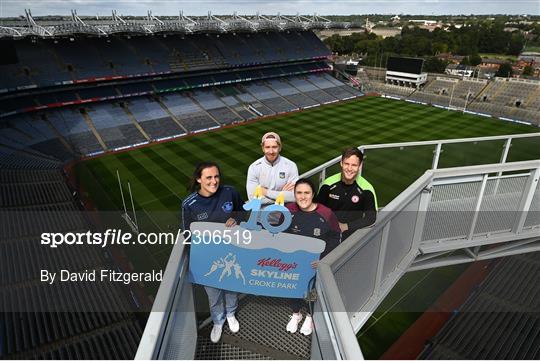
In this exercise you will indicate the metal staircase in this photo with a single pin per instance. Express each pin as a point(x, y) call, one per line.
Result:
point(447, 216)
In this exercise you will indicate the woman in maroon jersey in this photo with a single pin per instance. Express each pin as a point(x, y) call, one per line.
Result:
point(312, 220)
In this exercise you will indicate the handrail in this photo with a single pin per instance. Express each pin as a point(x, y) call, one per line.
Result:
point(343, 253)
point(420, 143)
point(340, 321)
point(346, 250)
point(422, 186)
point(348, 346)
point(485, 168)
point(157, 321)
point(450, 141)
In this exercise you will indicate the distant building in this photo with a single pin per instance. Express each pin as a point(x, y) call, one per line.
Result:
point(491, 63)
point(530, 56)
point(386, 32)
point(454, 59)
point(427, 24)
point(423, 22)
point(460, 70)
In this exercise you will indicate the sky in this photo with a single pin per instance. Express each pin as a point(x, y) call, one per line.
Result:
point(321, 7)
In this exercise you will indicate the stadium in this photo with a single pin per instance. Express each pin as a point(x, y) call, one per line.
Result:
point(103, 120)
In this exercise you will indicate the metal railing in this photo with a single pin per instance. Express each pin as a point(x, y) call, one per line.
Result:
point(377, 258)
point(174, 303)
point(404, 238)
point(438, 147)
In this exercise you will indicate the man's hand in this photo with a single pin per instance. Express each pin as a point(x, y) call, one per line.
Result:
point(288, 187)
point(314, 264)
point(230, 222)
point(343, 226)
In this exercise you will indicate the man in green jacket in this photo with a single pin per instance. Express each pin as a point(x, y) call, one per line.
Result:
point(349, 195)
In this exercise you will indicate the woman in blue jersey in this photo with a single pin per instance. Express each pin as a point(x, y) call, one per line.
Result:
point(311, 220)
point(213, 202)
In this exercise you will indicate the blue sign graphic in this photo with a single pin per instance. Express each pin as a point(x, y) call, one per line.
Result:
point(277, 265)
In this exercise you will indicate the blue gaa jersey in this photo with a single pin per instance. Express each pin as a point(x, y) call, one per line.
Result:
point(219, 207)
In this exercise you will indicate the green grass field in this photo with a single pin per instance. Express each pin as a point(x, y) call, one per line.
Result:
point(159, 174)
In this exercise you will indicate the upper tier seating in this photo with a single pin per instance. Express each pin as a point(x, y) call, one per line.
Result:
point(45, 62)
point(153, 119)
point(91, 128)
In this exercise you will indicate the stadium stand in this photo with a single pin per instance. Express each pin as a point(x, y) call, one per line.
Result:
point(39, 317)
point(10, 158)
point(114, 125)
point(45, 62)
point(72, 126)
point(510, 98)
point(87, 128)
point(269, 98)
point(73, 96)
point(391, 89)
point(37, 136)
point(514, 99)
point(153, 118)
point(499, 320)
point(46, 98)
point(279, 105)
point(225, 115)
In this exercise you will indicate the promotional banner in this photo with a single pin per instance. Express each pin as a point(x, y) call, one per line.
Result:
point(252, 262)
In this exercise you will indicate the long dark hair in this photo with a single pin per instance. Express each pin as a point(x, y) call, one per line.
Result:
point(193, 184)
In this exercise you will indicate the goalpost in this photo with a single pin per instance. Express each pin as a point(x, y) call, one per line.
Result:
point(132, 223)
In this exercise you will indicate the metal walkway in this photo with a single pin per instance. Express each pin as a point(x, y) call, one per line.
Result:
point(257, 316)
point(447, 216)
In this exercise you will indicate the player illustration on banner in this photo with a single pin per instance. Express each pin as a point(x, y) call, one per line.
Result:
point(227, 263)
point(255, 257)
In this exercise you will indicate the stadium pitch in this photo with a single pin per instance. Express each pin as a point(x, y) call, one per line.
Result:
point(159, 174)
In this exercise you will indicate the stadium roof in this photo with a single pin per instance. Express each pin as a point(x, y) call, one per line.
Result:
point(47, 28)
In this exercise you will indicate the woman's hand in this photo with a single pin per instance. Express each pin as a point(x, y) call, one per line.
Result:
point(230, 222)
point(314, 264)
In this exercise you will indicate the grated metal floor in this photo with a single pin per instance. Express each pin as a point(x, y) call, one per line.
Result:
point(262, 334)
point(206, 350)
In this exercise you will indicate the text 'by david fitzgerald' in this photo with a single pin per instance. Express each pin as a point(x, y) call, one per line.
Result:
point(101, 275)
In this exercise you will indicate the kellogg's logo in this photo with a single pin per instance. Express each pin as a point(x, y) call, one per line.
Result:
point(276, 262)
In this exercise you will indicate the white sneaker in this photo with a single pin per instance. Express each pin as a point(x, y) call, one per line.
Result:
point(292, 326)
point(307, 326)
point(215, 335)
point(234, 326)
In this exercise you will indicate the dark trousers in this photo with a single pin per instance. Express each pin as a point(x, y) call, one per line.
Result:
point(297, 304)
